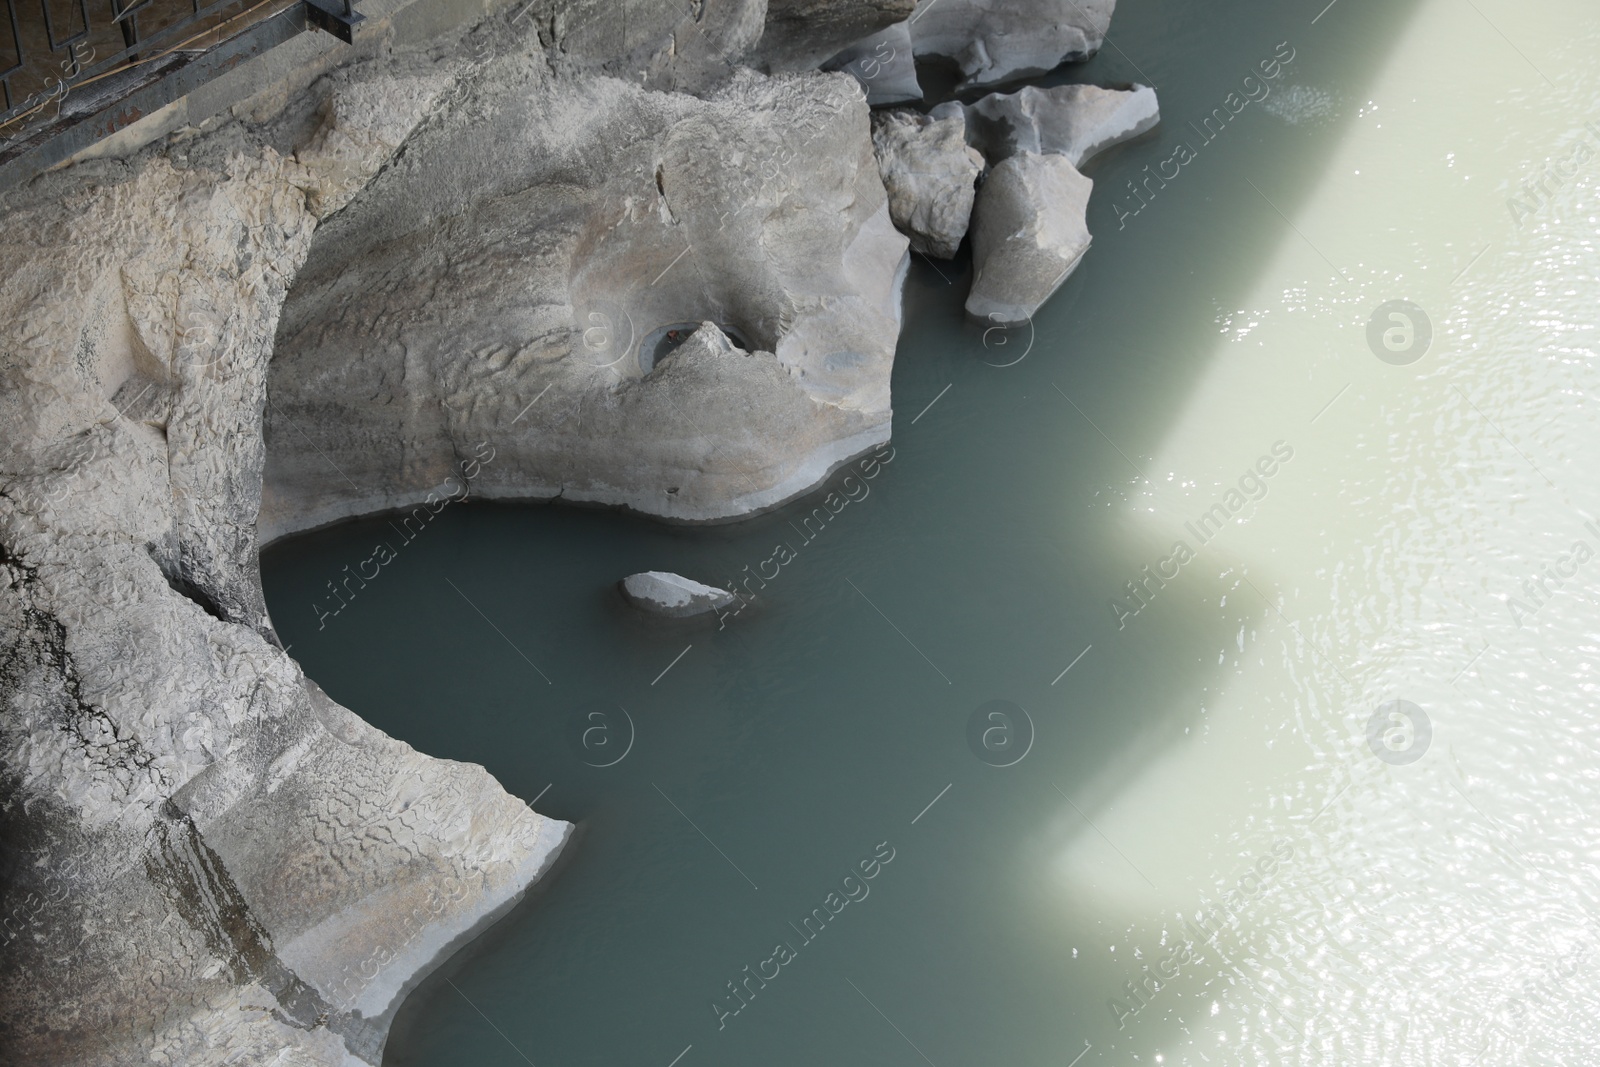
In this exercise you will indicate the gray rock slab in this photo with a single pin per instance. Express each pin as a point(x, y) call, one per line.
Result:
point(1028, 235)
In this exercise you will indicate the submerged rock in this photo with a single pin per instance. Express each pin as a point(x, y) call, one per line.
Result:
point(1028, 235)
point(673, 595)
point(930, 174)
point(994, 41)
point(1076, 121)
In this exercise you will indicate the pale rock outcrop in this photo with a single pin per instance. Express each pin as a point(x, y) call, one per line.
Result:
point(206, 860)
point(673, 595)
point(1028, 235)
point(884, 64)
point(994, 41)
point(435, 314)
point(930, 174)
point(1076, 121)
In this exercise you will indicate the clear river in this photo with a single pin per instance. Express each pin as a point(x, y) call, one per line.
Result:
point(1209, 674)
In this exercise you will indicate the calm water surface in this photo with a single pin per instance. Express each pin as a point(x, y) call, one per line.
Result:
point(1220, 840)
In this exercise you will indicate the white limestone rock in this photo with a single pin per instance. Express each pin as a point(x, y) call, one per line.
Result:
point(438, 318)
point(207, 860)
point(1075, 121)
point(995, 41)
point(930, 174)
point(673, 595)
point(1028, 235)
point(884, 64)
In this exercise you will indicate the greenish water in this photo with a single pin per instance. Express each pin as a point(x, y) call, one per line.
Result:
point(1199, 797)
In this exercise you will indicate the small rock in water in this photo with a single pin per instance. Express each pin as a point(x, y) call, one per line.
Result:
point(672, 595)
point(1028, 235)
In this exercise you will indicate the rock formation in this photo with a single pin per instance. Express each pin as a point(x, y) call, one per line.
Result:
point(995, 41)
point(1028, 235)
point(1076, 121)
point(930, 174)
point(206, 858)
point(433, 315)
point(672, 595)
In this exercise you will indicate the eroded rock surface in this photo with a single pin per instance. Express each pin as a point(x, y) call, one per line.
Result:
point(673, 595)
point(1028, 235)
point(930, 174)
point(995, 41)
point(206, 860)
point(433, 315)
point(1076, 121)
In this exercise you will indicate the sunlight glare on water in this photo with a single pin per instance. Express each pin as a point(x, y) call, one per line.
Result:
point(1430, 541)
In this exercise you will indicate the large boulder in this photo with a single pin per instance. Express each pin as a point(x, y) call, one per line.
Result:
point(1076, 121)
point(930, 174)
point(673, 595)
point(517, 314)
point(995, 41)
point(1028, 235)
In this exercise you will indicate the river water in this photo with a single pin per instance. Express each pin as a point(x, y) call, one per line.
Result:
point(1321, 793)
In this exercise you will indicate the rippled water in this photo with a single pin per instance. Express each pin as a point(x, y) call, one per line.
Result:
point(1226, 843)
